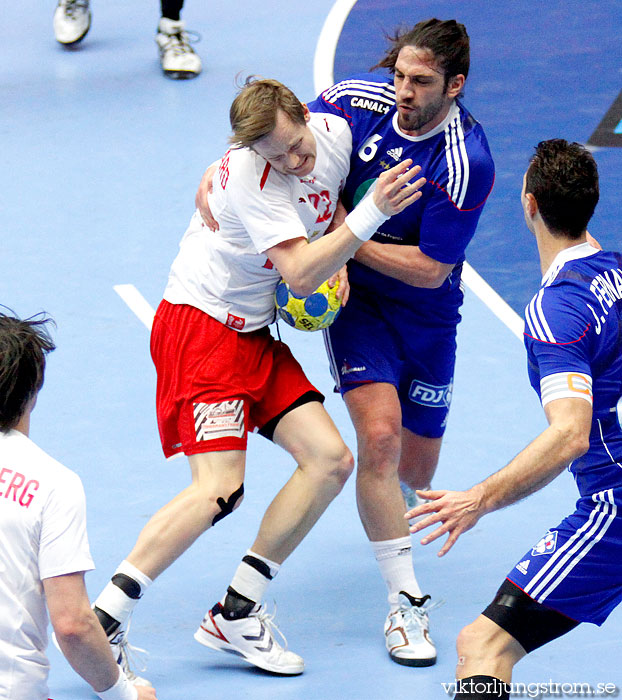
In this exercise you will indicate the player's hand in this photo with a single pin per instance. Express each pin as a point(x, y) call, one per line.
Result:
point(343, 291)
point(146, 693)
point(201, 199)
point(394, 191)
point(457, 511)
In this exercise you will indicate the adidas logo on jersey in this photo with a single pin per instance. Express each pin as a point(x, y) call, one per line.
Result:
point(395, 153)
point(522, 567)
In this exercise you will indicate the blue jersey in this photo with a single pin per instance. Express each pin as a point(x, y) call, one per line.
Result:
point(573, 336)
point(455, 160)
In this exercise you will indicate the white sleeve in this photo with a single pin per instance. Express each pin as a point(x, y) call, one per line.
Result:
point(63, 544)
point(263, 201)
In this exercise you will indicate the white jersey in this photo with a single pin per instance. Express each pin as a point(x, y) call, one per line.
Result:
point(42, 534)
point(226, 273)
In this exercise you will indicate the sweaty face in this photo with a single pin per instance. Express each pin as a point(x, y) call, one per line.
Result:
point(290, 147)
point(422, 99)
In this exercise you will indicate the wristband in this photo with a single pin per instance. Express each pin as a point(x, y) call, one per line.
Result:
point(365, 219)
point(121, 690)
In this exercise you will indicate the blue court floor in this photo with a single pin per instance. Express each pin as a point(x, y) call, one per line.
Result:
point(101, 158)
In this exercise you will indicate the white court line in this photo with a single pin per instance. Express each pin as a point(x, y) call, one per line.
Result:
point(323, 77)
point(137, 303)
point(324, 59)
point(499, 307)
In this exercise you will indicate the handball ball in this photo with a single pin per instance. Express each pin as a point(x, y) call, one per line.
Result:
point(311, 313)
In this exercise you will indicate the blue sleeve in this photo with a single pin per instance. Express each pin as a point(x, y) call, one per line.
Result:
point(557, 332)
point(451, 212)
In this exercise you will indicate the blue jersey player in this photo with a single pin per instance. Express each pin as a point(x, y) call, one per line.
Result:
point(574, 346)
point(392, 349)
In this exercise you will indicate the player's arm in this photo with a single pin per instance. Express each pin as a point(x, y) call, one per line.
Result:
point(304, 267)
point(201, 199)
point(565, 439)
point(405, 263)
point(448, 222)
point(82, 638)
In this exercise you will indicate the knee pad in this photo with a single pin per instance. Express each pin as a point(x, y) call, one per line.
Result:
point(530, 623)
point(226, 507)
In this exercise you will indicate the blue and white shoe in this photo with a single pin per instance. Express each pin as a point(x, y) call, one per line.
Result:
point(251, 638)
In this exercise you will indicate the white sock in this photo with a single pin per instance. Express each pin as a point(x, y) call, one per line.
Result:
point(250, 582)
point(115, 601)
point(394, 559)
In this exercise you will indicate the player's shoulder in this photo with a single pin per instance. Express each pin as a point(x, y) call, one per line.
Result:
point(242, 171)
point(557, 313)
point(328, 126)
point(475, 140)
point(34, 462)
point(363, 94)
point(461, 165)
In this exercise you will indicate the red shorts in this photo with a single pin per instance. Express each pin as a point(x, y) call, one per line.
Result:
point(215, 384)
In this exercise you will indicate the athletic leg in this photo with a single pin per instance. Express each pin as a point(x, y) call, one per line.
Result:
point(215, 487)
point(239, 624)
point(485, 648)
point(512, 626)
point(418, 464)
point(324, 464)
point(419, 459)
point(215, 477)
point(171, 8)
point(376, 414)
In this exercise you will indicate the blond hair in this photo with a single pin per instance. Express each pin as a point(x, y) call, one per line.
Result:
point(254, 110)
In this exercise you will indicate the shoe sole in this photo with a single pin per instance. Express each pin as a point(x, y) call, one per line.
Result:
point(413, 662)
point(180, 74)
point(207, 640)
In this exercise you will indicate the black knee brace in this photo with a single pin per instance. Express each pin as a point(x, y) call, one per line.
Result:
point(530, 623)
point(226, 507)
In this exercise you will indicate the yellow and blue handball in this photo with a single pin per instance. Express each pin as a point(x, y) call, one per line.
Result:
point(311, 313)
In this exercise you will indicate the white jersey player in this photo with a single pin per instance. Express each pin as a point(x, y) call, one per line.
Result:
point(220, 372)
point(228, 275)
point(44, 549)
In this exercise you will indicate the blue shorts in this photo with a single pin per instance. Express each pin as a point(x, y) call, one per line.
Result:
point(377, 340)
point(576, 568)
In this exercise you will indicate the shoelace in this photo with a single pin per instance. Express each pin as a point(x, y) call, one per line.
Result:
point(419, 615)
point(130, 654)
point(267, 619)
point(72, 7)
point(179, 43)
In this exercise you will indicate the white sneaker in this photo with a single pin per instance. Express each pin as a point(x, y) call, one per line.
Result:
point(123, 653)
point(72, 21)
point(177, 57)
point(406, 632)
point(252, 638)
